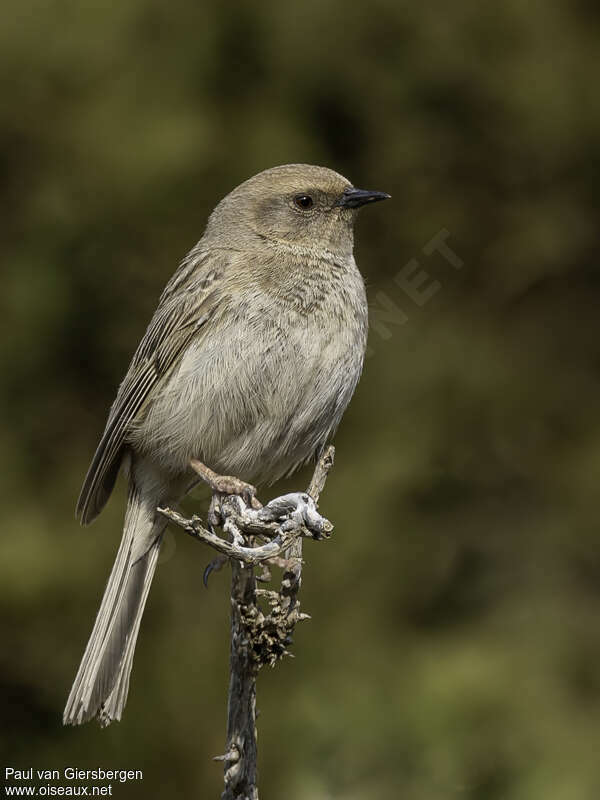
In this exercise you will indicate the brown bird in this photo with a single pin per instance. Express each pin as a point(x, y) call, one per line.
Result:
point(247, 365)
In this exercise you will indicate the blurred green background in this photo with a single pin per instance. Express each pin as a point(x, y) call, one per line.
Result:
point(454, 650)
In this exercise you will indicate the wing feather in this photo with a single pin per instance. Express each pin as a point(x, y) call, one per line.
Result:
point(184, 308)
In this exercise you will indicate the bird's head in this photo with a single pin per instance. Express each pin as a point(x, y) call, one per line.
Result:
point(301, 205)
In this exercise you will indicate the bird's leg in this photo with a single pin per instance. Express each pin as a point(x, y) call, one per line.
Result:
point(226, 484)
point(222, 485)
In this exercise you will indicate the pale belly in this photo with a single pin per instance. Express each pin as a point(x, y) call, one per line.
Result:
point(256, 400)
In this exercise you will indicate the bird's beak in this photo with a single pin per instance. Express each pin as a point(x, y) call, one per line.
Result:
point(354, 198)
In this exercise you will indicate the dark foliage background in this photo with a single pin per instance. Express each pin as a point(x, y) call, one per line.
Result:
point(455, 644)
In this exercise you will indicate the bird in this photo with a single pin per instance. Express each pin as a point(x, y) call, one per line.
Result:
point(248, 364)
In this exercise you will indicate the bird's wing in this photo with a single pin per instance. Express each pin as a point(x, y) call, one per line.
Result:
point(187, 303)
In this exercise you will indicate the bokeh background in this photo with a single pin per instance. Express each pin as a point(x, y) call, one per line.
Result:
point(454, 650)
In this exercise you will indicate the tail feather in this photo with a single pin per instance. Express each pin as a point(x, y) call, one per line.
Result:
point(113, 706)
point(102, 681)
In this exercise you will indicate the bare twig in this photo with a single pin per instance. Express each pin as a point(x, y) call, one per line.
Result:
point(258, 637)
point(292, 577)
point(319, 477)
point(282, 521)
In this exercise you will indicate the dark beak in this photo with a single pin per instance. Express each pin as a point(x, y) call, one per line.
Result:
point(354, 198)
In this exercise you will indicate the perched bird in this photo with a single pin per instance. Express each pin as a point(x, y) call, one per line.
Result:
point(247, 365)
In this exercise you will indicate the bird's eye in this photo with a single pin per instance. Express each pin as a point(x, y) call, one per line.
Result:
point(303, 201)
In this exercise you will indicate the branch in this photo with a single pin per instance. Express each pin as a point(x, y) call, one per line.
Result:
point(258, 637)
point(292, 577)
point(284, 520)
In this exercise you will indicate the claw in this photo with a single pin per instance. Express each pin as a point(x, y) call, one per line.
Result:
point(216, 565)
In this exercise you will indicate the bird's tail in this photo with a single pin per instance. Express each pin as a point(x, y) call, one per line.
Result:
point(102, 681)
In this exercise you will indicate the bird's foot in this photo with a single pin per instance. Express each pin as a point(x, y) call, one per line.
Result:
point(226, 484)
point(214, 516)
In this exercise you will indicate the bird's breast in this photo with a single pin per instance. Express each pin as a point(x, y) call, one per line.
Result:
point(264, 385)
